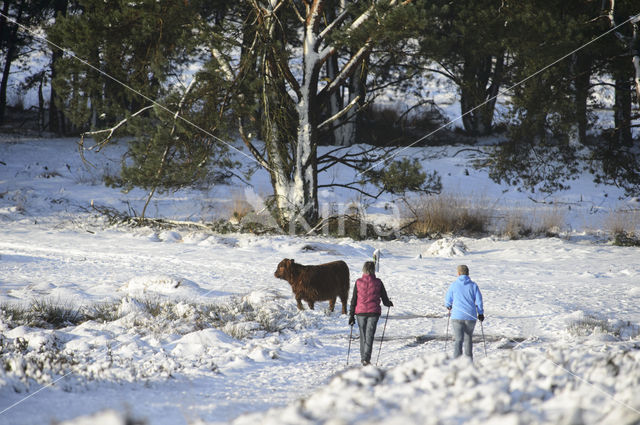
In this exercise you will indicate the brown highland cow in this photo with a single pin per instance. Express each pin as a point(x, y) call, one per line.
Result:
point(324, 282)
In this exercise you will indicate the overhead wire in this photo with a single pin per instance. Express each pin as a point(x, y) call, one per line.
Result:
point(127, 86)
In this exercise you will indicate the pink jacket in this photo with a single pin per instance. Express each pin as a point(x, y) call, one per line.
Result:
point(369, 291)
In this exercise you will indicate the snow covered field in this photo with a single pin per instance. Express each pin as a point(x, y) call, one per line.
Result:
point(190, 327)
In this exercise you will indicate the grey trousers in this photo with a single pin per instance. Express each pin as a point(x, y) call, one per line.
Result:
point(463, 333)
point(367, 325)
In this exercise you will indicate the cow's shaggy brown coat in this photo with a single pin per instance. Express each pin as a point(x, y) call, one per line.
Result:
point(323, 282)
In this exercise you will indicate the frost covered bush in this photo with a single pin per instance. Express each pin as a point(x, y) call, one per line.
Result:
point(240, 317)
point(140, 339)
point(255, 313)
point(592, 325)
point(103, 312)
point(39, 360)
point(626, 239)
point(589, 325)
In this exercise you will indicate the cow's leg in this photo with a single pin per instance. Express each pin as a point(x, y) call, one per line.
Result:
point(343, 300)
point(311, 303)
point(332, 304)
point(299, 301)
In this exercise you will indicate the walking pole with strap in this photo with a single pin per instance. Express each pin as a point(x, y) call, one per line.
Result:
point(349, 350)
point(483, 340)
point(386, 319)
point(446, 335)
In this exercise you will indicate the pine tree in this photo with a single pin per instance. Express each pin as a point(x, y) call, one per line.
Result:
point(467, 40)
point(615, 159)
point(548, 109)
point(136, 51)
point(18, 17)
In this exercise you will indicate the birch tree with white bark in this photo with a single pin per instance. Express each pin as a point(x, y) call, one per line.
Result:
point(292, 84)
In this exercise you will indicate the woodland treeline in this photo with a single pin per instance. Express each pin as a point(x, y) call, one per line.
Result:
point(184, 77)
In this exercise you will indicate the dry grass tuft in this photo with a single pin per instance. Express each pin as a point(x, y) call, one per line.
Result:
point(447, 214)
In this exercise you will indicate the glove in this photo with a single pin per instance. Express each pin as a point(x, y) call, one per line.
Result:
point(390, 304)
point(352, 320)
point(481, 317)
point(449, 308)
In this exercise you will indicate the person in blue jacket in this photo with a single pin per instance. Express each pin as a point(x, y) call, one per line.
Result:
point(464, 302)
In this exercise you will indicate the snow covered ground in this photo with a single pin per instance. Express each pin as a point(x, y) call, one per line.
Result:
point(191, 327)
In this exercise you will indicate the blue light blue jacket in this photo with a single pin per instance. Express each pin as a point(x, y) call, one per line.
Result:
point(464, 297)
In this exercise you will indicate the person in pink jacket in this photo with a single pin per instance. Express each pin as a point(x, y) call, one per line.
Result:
point(365, 304)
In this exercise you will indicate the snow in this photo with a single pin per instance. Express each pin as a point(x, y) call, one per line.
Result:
point(447, 247)
point(188, 326)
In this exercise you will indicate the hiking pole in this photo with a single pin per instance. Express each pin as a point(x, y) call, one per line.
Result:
point(446, 335)
point(386, 319)
point(483, 340)
point(349, 350)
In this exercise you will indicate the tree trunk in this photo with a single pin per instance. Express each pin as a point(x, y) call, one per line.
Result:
point(9, 57)
point(622, 107)
point(290, 149)
point(292, 161)
point(481, 81)
point(581, 65)
point(3, 20)
point(635, 57)
point(56, 116)
point(348, 125)
point(303, 190)
point(335, 101)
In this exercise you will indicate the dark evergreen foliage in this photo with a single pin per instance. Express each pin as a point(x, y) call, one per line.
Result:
point(404, 175)
point(133, 52)
point(137, 52)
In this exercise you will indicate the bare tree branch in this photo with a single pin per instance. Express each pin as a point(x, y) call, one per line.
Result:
point(340, 113)
point(110, 133)
point(352, 186)
point(254, 151)
point(298, 14)
point(348, 68)
point(332, 26)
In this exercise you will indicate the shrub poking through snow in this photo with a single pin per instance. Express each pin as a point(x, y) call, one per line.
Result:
point(41, 313)
point(256, 313)
point(137, 339)
point(590, 324)
point(103, 312)
point(445, 214)
point(626, 239)
point(515, 227)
